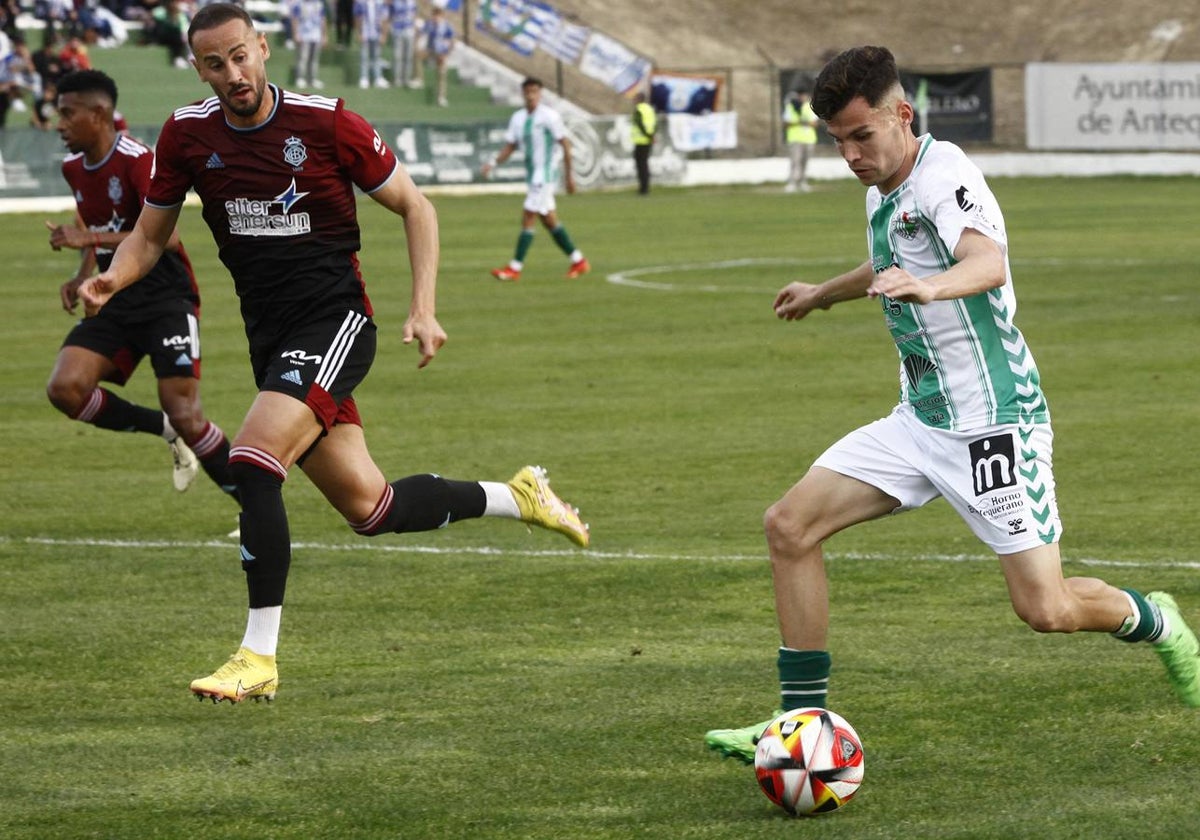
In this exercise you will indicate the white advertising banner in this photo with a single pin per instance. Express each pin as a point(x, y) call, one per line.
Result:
point(1113, 106)
point(692, 133)
point(614, 64)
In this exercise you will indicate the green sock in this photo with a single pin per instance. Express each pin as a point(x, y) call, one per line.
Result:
point(563, 239)
point(1146, 622)
point(803, 678)
point(523, 243)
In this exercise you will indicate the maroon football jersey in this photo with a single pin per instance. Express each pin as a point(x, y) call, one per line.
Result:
point(279, 199)
point(109, 197)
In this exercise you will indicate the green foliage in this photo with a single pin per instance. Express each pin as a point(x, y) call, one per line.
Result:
point(483, 681)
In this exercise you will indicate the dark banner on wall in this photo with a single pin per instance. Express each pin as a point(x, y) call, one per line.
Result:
point(950, 106)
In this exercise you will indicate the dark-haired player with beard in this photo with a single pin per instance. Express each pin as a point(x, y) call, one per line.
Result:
point(109, 175)
point(276, 172)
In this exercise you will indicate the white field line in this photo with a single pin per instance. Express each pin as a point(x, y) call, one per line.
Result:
point(483, 551)
point(632, 277)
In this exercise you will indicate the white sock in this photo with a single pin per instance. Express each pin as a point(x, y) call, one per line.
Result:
point(516, 265)
point(169, 434)
point(500, 500)
point(576, 255)
point(262, 630)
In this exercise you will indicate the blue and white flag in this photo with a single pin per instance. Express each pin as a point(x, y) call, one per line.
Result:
point(561, 39)
point(513, 22)
point(613, 63)
point(677, 93)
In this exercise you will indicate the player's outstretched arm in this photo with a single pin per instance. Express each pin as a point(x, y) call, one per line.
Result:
point(134, 257)
point(401, 196)
point(796, 300)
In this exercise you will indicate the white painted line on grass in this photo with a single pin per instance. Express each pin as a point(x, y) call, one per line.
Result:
point(631, 277)
point(486, 551)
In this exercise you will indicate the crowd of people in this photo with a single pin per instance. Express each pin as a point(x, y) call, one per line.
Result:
point(417, 40)
point(67, 30)
point(27, 77)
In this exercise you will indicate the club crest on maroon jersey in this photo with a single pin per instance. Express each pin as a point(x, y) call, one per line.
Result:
point(114, 189)
point(294, 152)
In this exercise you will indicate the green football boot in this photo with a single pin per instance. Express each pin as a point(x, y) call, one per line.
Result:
point(737, 743)
point(1179, 652)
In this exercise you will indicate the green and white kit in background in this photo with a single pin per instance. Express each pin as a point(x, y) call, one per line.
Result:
point(537, 134)
point(972, 424)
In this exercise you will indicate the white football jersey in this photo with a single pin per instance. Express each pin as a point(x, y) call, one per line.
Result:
point(963, 363)
point(537, 135)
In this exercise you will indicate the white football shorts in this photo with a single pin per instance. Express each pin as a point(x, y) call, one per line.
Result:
point(540, 199)
point(999, 478)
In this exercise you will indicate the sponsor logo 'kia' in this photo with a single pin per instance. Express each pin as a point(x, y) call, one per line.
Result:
point(300, 357)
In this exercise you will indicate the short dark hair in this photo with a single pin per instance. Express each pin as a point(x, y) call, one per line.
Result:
point(217, 14)
point(869, 72)
point(88, 81)
point(531, 81)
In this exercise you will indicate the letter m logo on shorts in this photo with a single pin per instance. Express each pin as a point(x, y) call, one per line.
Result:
point(993, 463)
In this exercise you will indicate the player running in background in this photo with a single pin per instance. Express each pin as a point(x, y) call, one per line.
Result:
point(276, 173)
point(109, 175)
point(538, 131)
point(972, 425)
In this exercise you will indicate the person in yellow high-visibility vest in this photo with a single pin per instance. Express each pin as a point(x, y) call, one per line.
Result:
point(643, 128)
point(801, 126)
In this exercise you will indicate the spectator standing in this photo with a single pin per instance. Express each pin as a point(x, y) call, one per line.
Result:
point(16, 76)
point(166, 26)
point(311, 30)
point(74, 55)
point(404, 43)
point(47, 64)
point(801, 125)
point(437, 40)
point(645, 123)
point(45, 109)
point(59, 16)
point(371, 17)
point(9, 10)
point(343, 23)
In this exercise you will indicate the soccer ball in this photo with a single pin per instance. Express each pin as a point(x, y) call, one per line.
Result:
point(809, 761)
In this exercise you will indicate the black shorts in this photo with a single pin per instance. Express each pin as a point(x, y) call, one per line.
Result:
point(319, 363)
point(170, 339)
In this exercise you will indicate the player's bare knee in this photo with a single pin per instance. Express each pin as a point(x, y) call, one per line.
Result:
point(787, 534)
point(65, 395)
point(1047, 617)
point(186, 417)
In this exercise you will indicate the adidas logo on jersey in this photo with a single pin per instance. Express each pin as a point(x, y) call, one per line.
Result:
point(292, 376)
point(214, 162)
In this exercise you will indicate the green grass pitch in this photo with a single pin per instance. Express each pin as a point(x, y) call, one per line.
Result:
point(484, 681)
